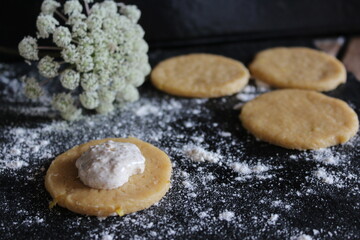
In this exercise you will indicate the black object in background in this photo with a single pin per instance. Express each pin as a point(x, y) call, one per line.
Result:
point(179, 22)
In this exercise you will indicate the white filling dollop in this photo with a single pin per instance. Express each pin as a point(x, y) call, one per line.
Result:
point(109, 165)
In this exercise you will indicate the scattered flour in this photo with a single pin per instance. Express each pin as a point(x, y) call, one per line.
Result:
point(304, 237)
point(199, 154)
point(147, 109)
point(324, 176)
point(15, 164)
point(227, 215)
point(107, 236)
point(245, 169)
point(326, 156)
point(250, 92)
point(245, 97)
point(273, 218)
point(225, 134)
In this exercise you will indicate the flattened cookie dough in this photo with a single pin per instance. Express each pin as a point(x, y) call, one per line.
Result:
point(140, 192)
point(298, 67)
point(200, 75)
point(299, 119)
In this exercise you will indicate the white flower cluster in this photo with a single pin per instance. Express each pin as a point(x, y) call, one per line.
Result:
point(28, 48)
point(32, 88)
point(102, 49)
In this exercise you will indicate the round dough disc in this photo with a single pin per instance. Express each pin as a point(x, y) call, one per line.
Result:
point(298, 67)
point(140, 192)
point(299, 119)
point(200, 75)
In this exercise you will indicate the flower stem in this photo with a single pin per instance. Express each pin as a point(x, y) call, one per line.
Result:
point(49, 48)
point(45, 82)
point(61, 15)
point(87, 9)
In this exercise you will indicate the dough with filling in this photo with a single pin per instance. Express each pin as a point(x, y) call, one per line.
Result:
point(140, 192)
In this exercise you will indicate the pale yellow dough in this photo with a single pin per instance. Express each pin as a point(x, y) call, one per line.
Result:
point(299, 119)
point(298, 67)
point(140, 192)
point(200, 75)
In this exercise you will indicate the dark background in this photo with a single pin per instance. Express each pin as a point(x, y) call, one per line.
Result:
point(191, 22)
point(234, 28)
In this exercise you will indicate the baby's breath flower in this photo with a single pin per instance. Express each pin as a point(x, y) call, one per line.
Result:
point(139, 31)
point(129, 34)
point(100, 63)
point(71, 114)
point(104, 77)
point(110, 7)
point(62, 101)
point(143, 58)
point(85, 46)
point(49, 6)
point(105, 49)
point(84, 63)
point(99, 10)
point(89, 81)
point(118, 83)
point(94, 21)
point(106, 95)
point(79, 29)
point(109, 24)
point(62, 36)
point(70, 79)
point(76, 18)
point(32, 89)
point(72, 7)
point(89, 100)
point(98, 37)
point(132, 59)
point(123, 50)
point(140, 45)
point(131, 11)
point(122, 22)
point(122, 70)
point(70, 54)
point(104, 108)
point(135, 78)
point(145, 68)
point(128, 94)
point(46, 25)
point(48, 67)
point(28, 48)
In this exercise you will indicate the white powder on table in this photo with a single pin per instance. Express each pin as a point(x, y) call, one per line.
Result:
point(227, 215)
point(245, 169)
point(250, 92)
point(146, 110)
point(107, 236)
point(199, 154)
point(273, 218)
point(324, 176)
point(304, 237)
